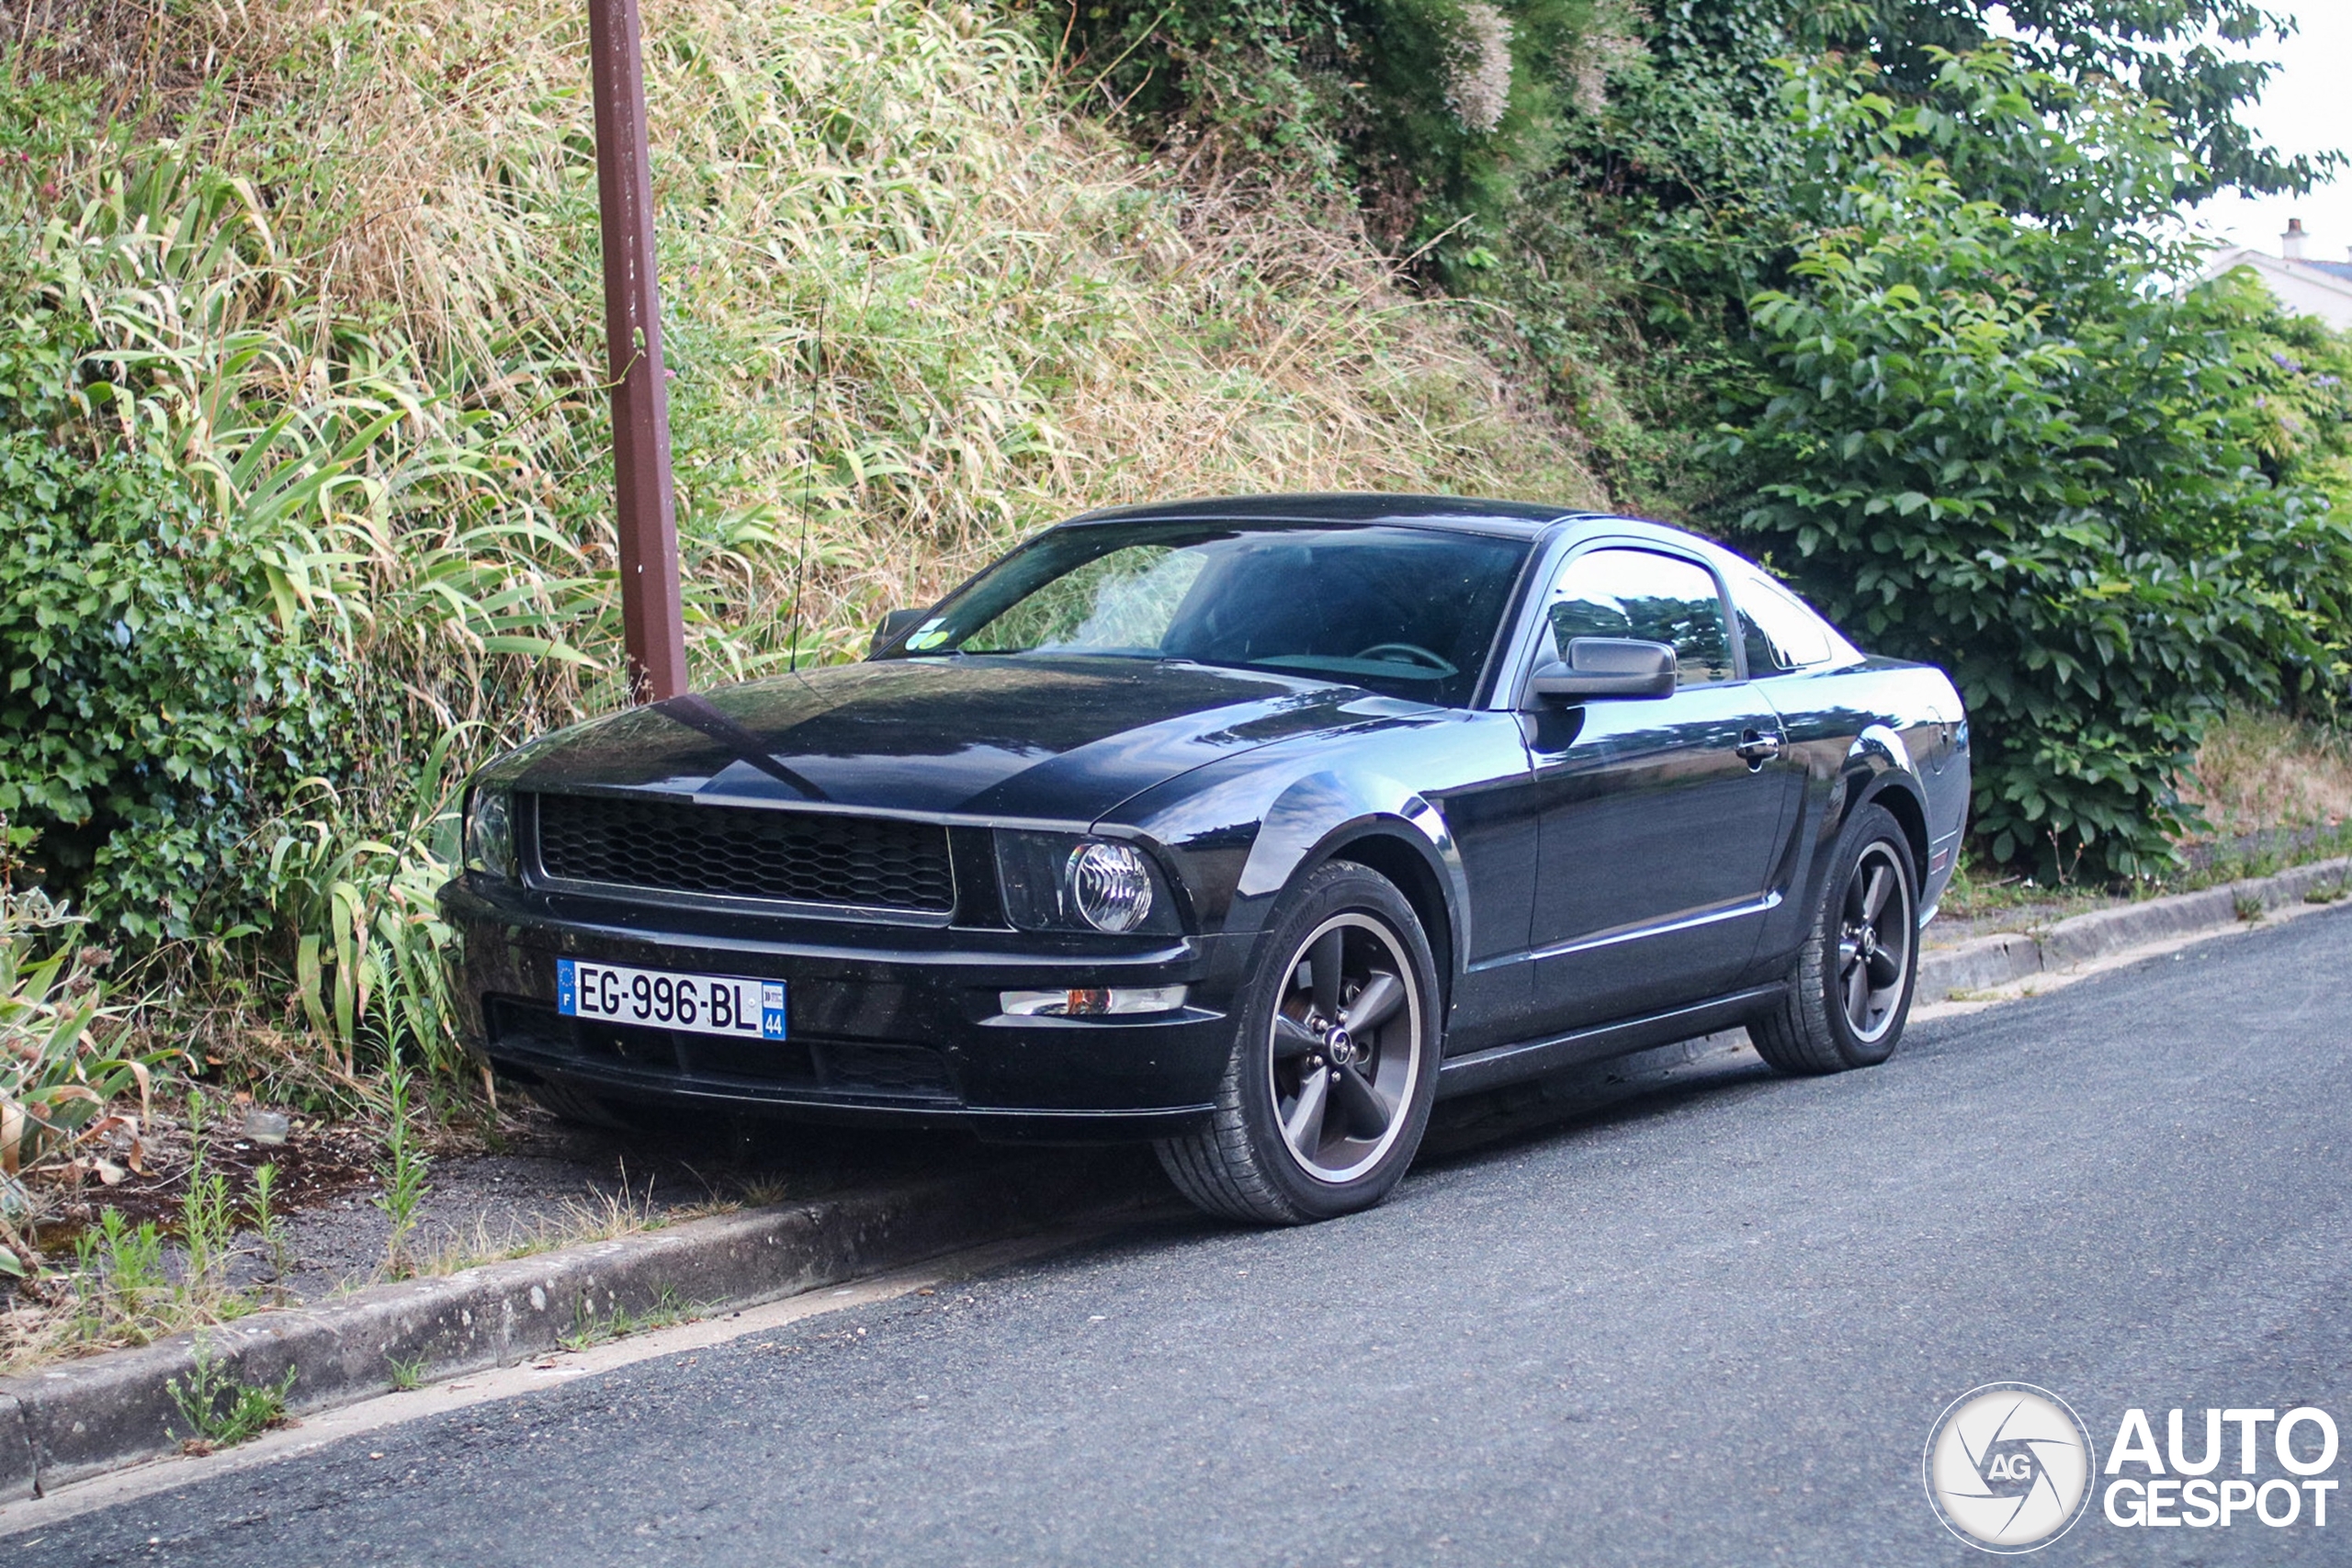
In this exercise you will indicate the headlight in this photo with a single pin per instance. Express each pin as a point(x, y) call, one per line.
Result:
point(489, 832)
point(1110, 884)
point(1070, 881)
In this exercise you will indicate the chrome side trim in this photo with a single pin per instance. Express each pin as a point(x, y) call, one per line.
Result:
point(1764, 905)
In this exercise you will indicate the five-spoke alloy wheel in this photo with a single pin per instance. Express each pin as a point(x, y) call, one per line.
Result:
point(1875, 935)
point(1334, 1065)
point(1850, 991)
point(1345, 1047)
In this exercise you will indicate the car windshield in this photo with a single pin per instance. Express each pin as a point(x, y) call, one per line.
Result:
point(1411, 612)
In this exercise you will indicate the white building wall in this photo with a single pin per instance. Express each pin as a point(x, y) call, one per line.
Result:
point(2306, 291)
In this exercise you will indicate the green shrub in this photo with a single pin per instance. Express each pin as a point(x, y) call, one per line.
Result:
point(151, 705)
point(1983, 440)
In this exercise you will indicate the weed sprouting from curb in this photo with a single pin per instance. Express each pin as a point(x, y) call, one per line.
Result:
point(2249, 908)
point(407, 1376)
point(222, 1410)
point(589, 1329)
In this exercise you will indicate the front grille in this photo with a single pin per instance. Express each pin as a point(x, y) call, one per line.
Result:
point(746, 853)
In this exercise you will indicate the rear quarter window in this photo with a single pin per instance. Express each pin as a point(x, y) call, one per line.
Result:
point(1780, 631)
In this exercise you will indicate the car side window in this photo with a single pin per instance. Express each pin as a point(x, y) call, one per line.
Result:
point(1640, 594)
point(1780, 632)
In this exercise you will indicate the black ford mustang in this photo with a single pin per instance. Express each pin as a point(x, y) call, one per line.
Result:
point(1248, 826)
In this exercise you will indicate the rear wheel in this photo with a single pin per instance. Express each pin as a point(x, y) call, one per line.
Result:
point(1334, 1063)
point(1851, 993)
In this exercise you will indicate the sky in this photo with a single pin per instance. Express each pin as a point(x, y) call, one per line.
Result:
point(2306, 109)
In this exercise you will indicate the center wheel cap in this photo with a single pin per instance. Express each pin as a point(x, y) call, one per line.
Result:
point(1342, 1049)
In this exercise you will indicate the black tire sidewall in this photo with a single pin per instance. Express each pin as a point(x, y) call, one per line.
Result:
point(1872, 824)
point(1339, 887)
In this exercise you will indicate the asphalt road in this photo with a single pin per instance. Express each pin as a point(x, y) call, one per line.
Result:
point(1712, 1326)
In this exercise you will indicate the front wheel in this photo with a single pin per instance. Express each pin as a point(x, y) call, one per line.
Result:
point(1851, 993)
point(1334, 1064)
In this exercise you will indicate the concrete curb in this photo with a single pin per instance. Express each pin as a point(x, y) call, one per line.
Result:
point(81, 1418)
point(2005, 957)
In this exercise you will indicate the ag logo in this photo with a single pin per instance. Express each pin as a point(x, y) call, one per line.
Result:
point(2008, 1467)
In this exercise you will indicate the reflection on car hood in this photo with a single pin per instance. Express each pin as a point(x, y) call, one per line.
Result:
point(1049, 739)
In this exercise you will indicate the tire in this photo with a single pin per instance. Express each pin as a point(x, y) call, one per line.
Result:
point(1824, 1024)
point(582, 1109)
point(1318, 1116)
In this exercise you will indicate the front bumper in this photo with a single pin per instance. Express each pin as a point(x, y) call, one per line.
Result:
point(884, 1022)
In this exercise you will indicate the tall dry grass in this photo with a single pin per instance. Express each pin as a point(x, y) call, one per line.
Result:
point(910, 303)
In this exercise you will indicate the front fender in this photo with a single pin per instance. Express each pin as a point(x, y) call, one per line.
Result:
point(1319, 815)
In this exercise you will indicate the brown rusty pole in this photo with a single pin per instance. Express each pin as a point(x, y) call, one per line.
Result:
point(652, 623)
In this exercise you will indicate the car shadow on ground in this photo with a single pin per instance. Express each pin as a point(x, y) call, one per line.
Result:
point(1495, 1124)
point(1481, 1127)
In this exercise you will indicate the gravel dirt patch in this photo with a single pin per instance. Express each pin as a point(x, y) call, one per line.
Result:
point(527, 1182)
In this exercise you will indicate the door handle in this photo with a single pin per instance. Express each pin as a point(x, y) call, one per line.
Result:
point(1758, 747)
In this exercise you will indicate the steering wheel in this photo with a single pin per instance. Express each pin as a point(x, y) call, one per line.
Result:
point(1408, 653)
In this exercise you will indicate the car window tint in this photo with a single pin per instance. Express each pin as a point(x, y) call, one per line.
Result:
point(1411, 612)
point(1790, 636)
point(1636, 593)
point(1124, 600)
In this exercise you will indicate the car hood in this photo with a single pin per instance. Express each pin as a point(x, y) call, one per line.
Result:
point(1034, 738)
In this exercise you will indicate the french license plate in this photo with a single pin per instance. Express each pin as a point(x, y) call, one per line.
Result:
point(703, 1004)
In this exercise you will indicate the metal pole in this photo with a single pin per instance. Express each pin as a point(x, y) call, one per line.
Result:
point(652, 622)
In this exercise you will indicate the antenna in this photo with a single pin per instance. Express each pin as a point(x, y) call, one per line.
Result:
point(808, 488)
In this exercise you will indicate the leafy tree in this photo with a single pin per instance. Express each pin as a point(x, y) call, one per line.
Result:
point(1980, 437)
point(2162, 52)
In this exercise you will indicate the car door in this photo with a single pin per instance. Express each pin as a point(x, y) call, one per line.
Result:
point(1657, 817)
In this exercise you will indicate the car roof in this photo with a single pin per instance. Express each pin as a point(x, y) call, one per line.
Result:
point(1513, 519)
point(1519, 519)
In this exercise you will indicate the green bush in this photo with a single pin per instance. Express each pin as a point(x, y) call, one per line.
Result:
point(150, 702)
point(1984, 440)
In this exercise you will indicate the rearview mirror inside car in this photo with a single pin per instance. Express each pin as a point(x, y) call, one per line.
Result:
point(1607, 667)
point(893, 623)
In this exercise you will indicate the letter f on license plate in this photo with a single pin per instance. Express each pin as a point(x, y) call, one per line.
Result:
point(734, 1005)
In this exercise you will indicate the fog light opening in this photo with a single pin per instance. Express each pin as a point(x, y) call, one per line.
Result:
point(1091, 1001)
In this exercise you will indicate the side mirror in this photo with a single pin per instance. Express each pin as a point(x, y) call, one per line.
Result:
point(894, 622)
point(1607, 667)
